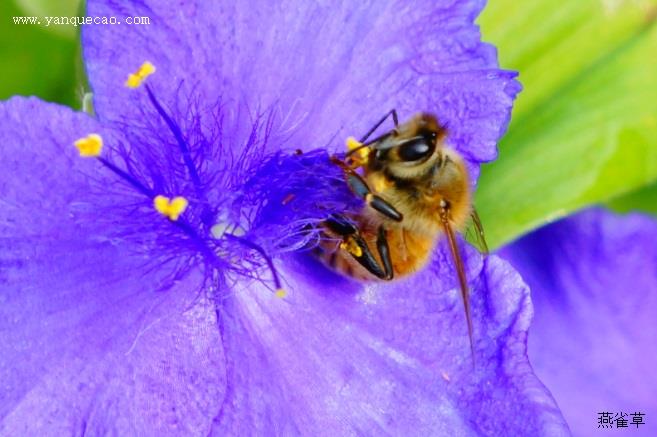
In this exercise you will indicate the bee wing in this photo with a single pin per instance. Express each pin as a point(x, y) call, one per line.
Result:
point(460, 270)
point(474, 233)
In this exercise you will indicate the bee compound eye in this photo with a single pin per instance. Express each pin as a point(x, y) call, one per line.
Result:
point(415, 150)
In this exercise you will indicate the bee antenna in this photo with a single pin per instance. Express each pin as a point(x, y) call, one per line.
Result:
point(370, 143)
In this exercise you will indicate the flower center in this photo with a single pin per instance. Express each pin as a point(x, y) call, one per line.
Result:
point(205, 233)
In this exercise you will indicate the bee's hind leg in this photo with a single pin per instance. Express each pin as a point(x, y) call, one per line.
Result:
point(358, 248)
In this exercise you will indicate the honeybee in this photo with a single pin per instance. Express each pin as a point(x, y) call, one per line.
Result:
point(416, 190)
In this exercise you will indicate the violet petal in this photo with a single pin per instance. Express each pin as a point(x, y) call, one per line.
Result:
point(326, 72)
point(593, 279)
point(334, 358)
point(90, 340)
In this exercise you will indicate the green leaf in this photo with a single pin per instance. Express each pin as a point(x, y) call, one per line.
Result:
point(585, 127)
point(59, 8)
point(643, 199)
point(38, 61)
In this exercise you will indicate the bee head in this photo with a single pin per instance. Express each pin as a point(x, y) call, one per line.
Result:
point(412, 148)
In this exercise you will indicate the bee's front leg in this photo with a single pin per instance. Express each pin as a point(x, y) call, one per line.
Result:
point(360, 188)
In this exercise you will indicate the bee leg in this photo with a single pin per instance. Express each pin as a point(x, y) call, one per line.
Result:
point(384, 253)
point(359, 187)
point(460, 269)
point(341, 225)
point(364, 256)
point(395, 120)
point(357, 247)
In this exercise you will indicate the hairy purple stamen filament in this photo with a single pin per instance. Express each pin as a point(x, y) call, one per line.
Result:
point(262, 252)
point(204, 246)
point(124, 175)
point(182, 224)
point(200, 242)
point(175, 130)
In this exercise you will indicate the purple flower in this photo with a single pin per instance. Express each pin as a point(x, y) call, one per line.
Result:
point(137, 283)
point(594, 286)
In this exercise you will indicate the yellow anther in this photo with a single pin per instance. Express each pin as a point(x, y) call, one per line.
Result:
point(89, 146)
point(280, 293)
point(353, 143)
point(352, 247)
point(136, 79)
point(362, 154)
point(170, 208)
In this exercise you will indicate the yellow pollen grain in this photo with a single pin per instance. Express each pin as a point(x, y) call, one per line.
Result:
point(89, 146)
point(352, 247)
point(362, 154)
point(353, 143)
point(136, 79)
point(280, 293)
point(170, 208)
